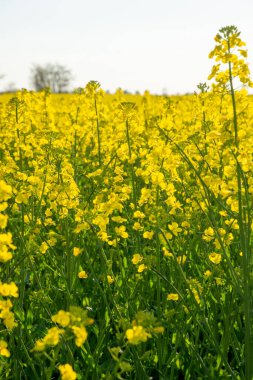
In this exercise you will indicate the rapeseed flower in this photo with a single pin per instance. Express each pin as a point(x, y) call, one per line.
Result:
point(76, 251)
point(63, 318)
point(80, 335)
point(83, 274)
point(173, 297)
point(8, 290)
point(137, 258)
point(215, 258)
point(137, 335)
point(141, 268)
point(67, 372)
point(3, 349)
point(148, 235)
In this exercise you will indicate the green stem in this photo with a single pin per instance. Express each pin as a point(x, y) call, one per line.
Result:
point(98, 132)
point(131, 165)
point(244, 244)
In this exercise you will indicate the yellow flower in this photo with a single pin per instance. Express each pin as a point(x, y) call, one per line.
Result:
point(22, 198)
point(27, 219)
point(3, 221)
point(44, 247)
point(8, 319)
point(142, 267)
point(67, 372)
point(81, 227)
point(137, 258)
point(9, 290)
point(174, 228)
point(243, 52)
point(207, 273)
point(181, 259)
point(215, 258)
point(76, 251)
point(51, 339)
point(80, 334)
point(112, 242)
point(5, 255)
point(137, 226)
point(137, 335)
point(6, 239)
point(166, 253)
point(110, 279)
point(215, 70)
point(3, 349)
point(195, 294)
point(121, 231)
point(3, 206)
point(173, 297)
point(62, 318)
point(5, 191)
point(148, 235)
point(83, 274)
point(39, 345)
point(232, 223)
point(118, 219)
point(53, 336)
point(185, 224)
point(139, 215)
point(222, 231)
point(208, 234)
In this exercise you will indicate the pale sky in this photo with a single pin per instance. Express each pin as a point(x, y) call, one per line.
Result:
point(132, 44)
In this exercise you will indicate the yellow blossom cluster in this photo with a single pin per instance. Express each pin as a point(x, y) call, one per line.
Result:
point(230, 49)
point(67, 372)
point(73, 321)
point(6, 247)
point(142, 328)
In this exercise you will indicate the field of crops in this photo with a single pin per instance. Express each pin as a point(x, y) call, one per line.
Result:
point(125, 231)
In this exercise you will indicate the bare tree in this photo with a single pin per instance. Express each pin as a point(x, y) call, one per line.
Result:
point(57, 77)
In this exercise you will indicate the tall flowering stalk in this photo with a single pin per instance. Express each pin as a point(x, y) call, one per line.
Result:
point(232, 67)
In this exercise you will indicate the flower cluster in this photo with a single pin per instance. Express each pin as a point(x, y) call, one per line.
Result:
point(73, 323)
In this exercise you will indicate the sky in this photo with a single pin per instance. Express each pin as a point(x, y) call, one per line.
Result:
point(137, 45)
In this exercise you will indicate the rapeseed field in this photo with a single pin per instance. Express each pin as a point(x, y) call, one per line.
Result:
point(125, 230)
